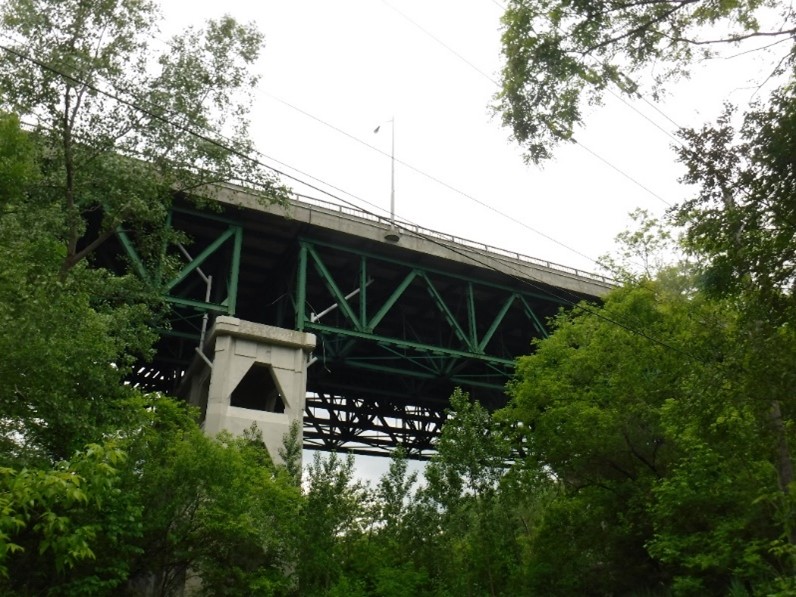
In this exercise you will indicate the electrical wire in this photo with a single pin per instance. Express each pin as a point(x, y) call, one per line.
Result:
point(433, 178)
point(496, 84)
point(442, 43)
point(521, 277)
point(447, 185)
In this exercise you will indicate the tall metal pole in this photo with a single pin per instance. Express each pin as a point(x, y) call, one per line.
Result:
point(392, 234)
point(392, 176)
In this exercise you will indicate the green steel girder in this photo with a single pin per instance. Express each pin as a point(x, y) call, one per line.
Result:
point(418, 346)
point(468, 380)
point(443, 307)
point(176, 290)
point(471, 328)
point(129, 248)
point(199, 259)
point(342, 302)
point(429, 270)
point(390, 302)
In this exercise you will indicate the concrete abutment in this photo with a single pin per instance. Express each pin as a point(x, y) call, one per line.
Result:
point(258, 375)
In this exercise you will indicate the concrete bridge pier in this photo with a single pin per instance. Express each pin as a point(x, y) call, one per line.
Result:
point(258, 375)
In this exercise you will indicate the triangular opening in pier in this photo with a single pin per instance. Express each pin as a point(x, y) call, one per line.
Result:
point(258, 390)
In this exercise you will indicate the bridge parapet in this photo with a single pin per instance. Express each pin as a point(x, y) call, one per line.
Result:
point(399, 325)
point(359, 222)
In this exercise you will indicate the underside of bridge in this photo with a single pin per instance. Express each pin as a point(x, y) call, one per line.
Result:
point(398, 325)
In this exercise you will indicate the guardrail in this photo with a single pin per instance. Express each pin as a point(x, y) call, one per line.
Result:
point(304, 201)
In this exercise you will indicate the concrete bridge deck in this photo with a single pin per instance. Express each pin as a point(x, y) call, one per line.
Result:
point(397, 325)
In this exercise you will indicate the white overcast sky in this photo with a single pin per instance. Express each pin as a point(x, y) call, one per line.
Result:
point(354, 64)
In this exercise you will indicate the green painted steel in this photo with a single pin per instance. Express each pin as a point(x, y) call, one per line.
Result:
point(363, 292)
point(430, 348)
point(200, 259)
point(340, 299)
point(538, 324)
point(177, 289)
point(129, 248)
point(497, 321)
point(380, 333)
point(443, 307)
point(538, 294)
point(390, 302)
point(234, 273)
point(471, 319)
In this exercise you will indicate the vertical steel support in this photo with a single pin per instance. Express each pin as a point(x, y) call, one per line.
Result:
point(473, 328)
point(132, 254)
point(363, 289)
point(163, 249)
point(234, 274)
point(301, 288)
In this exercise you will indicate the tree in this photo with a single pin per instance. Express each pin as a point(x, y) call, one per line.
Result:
point(474, 516)
point(588, 400)
point(741, 222)
point(217, 510)
point(333, 520)
point(560, 56)
point(66, 347)
point(642, 412)
point(67, 529)
point(93, 473)
point(125, 128)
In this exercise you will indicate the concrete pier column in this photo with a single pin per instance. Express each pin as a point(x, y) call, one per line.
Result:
point(259, 375)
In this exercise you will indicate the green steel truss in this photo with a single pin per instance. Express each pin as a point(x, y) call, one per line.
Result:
point(397, 318)
point(396, 331)
point(199, 281)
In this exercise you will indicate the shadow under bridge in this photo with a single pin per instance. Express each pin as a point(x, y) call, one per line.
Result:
point(398, 325)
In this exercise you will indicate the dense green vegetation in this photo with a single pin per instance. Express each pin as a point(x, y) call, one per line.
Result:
point(646, 446)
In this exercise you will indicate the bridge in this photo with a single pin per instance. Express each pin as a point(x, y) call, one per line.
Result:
point(329, 314)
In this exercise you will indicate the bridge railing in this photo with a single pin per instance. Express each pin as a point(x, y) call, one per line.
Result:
point(303, 201)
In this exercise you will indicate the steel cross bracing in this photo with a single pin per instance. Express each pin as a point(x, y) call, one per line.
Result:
point(397, 330)
point(375, 425)
point(198, 281)
point(394, 340)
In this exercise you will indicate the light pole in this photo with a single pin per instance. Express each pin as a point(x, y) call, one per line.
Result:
point(392, 234)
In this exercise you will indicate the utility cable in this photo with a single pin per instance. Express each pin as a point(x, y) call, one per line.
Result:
point(526, 279)
point(432, 178)
point(442, 43)
point(443, 183)
point(496, 84)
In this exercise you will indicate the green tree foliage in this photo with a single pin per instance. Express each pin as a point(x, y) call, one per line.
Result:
point(217, 510)
point(560, 56)
point(104, 490)
point(56, 525)
point(125, 127)
point(665, 459)
point(742, 218)
point(589, 401)
point(333, 520)
point(66, 347)
point(474, 516)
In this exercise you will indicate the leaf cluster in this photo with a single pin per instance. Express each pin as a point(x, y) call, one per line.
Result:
point(563, 55)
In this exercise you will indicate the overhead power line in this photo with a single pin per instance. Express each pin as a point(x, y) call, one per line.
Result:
point(497, 85)
point(520, 276)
